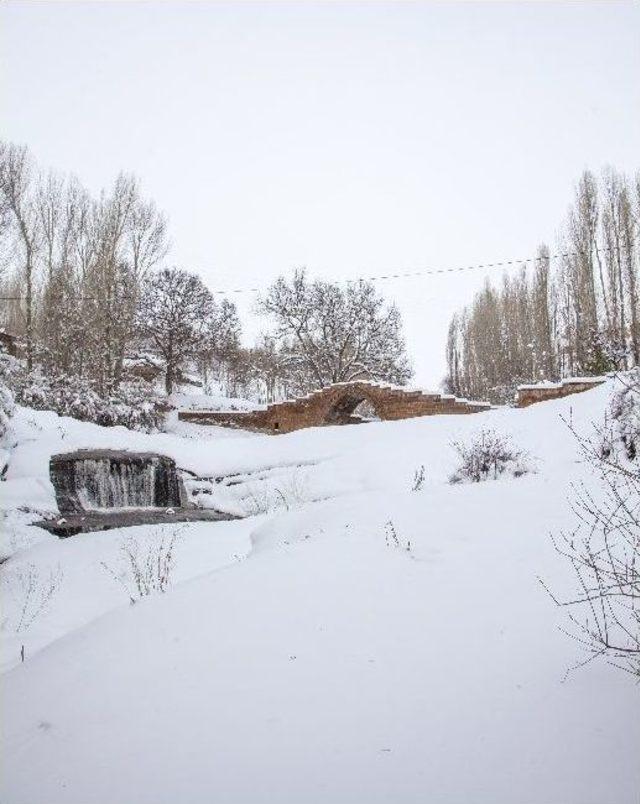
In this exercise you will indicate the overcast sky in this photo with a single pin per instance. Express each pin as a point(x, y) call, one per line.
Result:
point(355, 139)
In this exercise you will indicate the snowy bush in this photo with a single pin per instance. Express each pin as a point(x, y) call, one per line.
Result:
point(7, 407)
point(623, 437)
point(132, 405)
point(7, 404)
point(487, 456)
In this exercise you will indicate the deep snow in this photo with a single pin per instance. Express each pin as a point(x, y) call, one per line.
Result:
point(300, 657)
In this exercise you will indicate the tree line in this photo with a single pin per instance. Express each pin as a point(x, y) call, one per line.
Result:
point(86, 288)
point(573, 313)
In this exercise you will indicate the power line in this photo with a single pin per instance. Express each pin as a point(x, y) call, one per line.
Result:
point(386, 277)
point(435, 271)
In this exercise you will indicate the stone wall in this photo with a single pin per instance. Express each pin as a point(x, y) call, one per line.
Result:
point(336, 405)
point(542, 392)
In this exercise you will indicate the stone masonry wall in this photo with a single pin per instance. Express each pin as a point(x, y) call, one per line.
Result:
point(335, 405)
point(530, 394)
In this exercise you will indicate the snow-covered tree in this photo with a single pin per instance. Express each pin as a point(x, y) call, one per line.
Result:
point(175, 314)
point(18, 205)
point(128, 240)
point(220, 342)
point(334, 334)
point(72, 267)
point(7, 405)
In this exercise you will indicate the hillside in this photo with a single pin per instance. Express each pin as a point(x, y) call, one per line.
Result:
point(301, 655)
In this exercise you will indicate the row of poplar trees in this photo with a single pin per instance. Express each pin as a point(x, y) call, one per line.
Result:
point(572, 313)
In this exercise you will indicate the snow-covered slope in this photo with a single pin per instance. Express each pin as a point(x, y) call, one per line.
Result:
point(301, 656)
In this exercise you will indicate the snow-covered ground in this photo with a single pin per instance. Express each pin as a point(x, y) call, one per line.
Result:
point(301, 656)
point(201, 401)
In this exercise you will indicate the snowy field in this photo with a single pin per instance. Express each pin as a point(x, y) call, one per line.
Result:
point(301, 656)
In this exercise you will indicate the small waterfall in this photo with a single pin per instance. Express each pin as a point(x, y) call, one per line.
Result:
point(107, 484)
point(101, 480)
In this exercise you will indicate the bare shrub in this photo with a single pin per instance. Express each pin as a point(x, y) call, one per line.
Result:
point(604, 552)
point(487, 456)
point(392, 539)
point(258, 500)
point(33, 590)
point(293, 489)
point(263, 497)
point(148, 567)
point(419, 478)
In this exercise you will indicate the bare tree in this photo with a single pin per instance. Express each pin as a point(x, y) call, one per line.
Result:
point(79, 317)
point(220, 341)
point(174, 314)
point(16, 198)
point(5, 211)
point(121, 237)
point(147, 236)
point(270, 367)
point(61, 328)
point(632, 235)
point(542, 315)
point(49, 209)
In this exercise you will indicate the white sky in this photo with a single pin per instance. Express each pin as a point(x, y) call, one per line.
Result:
point(352, 138)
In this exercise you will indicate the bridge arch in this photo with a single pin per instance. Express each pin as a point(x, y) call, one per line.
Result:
point(343, 402)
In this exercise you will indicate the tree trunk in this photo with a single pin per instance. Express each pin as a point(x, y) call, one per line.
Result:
point(29, 322)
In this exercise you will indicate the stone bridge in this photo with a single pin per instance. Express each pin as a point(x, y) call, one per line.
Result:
point(336, 404)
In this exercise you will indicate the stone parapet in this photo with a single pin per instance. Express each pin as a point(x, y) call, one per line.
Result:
point(336, 404)
point(542, 392)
